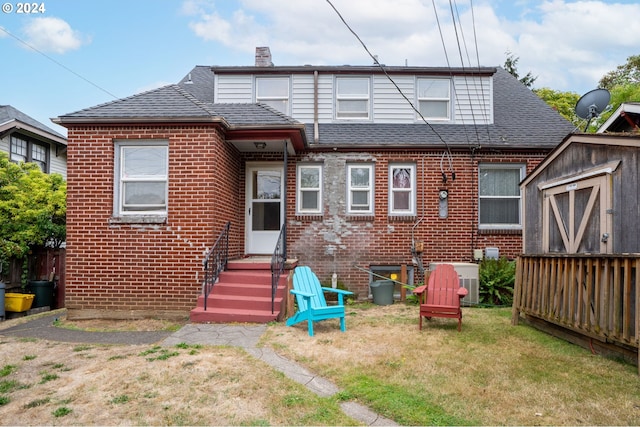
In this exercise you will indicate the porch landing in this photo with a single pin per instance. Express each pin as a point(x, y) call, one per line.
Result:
point(243, 293)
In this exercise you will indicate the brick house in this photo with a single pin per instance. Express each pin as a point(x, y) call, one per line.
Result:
point(335, 153)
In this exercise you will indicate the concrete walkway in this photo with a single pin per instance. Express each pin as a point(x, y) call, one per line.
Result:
point(247, 337)
point(244, 336)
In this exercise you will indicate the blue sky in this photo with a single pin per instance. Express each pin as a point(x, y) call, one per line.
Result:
point(78, 54)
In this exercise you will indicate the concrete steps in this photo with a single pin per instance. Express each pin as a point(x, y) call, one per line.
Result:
point(242, 294)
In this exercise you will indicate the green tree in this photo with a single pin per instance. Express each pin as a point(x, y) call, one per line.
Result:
point(32, 209)
point(563, 102)
point(628, 73)
point(511, 65)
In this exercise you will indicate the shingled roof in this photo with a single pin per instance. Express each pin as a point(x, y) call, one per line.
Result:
point(521, 119)
point(176, 103)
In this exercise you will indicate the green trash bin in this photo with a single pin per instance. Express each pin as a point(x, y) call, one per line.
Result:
point(43, 293)
point(382, 291)
point(2, 290)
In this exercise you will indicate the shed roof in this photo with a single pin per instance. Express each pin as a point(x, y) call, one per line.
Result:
point(620, 139)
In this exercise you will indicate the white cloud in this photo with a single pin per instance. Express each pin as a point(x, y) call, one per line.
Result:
point(568, 44)
point(49, 34)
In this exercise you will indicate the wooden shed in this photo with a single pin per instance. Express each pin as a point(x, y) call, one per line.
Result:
point(581, 242)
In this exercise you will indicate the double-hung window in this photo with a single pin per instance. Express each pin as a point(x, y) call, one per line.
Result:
point(309, 189)
point(360, 189)
point(402, 189)
point(141, 177)
point(434, 98)
point(273, 91)
point(499, 191)
point(25, 150)
point(352, 97)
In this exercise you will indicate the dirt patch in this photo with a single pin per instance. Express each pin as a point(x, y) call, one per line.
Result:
point(107, 325)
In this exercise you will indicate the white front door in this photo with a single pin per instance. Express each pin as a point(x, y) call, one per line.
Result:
point(264, 207)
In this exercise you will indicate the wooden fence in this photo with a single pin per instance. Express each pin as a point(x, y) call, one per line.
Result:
point(592, 295)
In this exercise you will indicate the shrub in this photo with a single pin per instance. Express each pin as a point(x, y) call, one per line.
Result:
point(32, 210)
point(497, 277)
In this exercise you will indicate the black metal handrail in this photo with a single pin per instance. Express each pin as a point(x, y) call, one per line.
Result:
point(278, 260)
point(215, 261)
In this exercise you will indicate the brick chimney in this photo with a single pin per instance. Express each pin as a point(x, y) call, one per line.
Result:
point(263, 57)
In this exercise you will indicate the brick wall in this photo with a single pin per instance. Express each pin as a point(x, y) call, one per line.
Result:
point(155, 267)
point(335, 241)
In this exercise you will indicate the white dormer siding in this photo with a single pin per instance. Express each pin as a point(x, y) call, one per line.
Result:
point(473, 100)
point(471, 97)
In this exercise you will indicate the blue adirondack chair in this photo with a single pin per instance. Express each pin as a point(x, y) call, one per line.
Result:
point(312, 306)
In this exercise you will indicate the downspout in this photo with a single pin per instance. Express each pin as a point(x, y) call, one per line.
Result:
point(316, 135)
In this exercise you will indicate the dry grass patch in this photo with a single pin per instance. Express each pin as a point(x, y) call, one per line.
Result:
point(50, 383)
point(491, 373)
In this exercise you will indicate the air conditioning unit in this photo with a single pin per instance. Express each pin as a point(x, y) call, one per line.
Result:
point(469, 279)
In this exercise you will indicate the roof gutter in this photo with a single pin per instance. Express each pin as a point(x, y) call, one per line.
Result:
point(65, 120)
point(16, 125)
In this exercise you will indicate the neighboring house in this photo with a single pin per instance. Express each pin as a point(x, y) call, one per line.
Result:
point(25, 139)
point(626, 118)
point(335, 153)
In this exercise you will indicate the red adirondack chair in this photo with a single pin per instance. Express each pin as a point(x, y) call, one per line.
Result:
point(441, 296)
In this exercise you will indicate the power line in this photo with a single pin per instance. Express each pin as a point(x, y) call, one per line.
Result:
point(376, 62)
point(57, 62)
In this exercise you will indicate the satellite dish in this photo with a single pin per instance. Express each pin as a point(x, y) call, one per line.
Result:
point(591, 104)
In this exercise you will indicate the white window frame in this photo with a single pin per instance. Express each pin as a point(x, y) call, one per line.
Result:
point(300, 209)
point(274, 101)
point(343, 98)
point(411, 190)
point(501, 166)
point(119, 178)
point(438, 99)
point(31, 152)
point(369, 189)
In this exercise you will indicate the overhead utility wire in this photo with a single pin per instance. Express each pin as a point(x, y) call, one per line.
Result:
point(376, 62)
point(446, 56)
point(475, 40)
point(57, 63)
point(466, 79)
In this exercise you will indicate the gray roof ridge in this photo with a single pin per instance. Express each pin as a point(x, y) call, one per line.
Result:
point(193, 99)
point(279, 113)
point(172, 86)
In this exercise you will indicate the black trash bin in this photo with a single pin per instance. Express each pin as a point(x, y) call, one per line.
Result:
point(43, 293)
point(382, 291)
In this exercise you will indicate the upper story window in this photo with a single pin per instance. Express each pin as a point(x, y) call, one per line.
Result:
point(500, 200)
point(402, 189)
point(360, 189)
point(434, 98)
point(273, 91)
point(309, 189)
point(352, 97)
point(141, 186)
point(26, 150)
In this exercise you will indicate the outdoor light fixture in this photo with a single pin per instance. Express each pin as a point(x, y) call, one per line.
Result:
point(260, 145)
